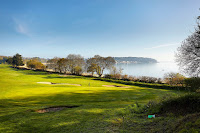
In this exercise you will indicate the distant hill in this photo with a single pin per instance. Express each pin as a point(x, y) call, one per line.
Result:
point(136, 60)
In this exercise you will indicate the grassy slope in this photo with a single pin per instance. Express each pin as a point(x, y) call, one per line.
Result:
point(100, 107)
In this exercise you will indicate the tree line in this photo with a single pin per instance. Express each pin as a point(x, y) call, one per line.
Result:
point(76, 64)
point(73, 64)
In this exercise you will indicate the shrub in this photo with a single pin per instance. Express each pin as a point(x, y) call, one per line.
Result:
point(131, 78)
point(152, 80)
point(107, 76)
point(116, 76)
point(174, 78)
point(125, 77)
point(192, 83)
point(180, 105)
point(136, 108)
point(159, 81)
point(35, 64)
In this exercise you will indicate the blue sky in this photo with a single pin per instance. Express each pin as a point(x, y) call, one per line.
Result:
point(141, 28)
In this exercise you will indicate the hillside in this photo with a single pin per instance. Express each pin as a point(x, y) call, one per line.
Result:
point(136, 60)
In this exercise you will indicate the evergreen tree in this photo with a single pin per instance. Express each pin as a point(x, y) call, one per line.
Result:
point(17, 60)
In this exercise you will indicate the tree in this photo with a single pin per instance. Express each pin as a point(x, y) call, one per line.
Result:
point(92, 68)
point(116, 73)
point(78, 70)
point(62, 65)
point(17, 60)
point(188, 56)
point(99, 64)
point(75, 61)
point(35, 64)
point(3, 59)
point(9, 60)
point(52, 64)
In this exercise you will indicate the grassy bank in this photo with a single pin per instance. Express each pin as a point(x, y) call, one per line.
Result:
point(101, 109)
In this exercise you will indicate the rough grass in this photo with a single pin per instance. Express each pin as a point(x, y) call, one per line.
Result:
point(101, 109)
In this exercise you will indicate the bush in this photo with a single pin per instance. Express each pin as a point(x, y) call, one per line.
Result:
point(159, 81)
point(125, 77)
point(35, 64)
point(140, 108)
point(136, 108)
point(152, 80)
point(131, 78)
point(180, 105)
point(174, 78)
point(117, 76)
point(192, 83)
point(107, 76)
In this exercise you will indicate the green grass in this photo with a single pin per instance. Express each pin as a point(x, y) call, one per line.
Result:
point(102, 109)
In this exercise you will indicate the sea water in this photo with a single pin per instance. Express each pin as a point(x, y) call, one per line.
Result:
point(150, 69)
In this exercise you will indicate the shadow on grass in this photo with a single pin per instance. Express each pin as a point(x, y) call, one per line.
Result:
point(148, 85)
point(96, 113)
point(30, 72)
point(60, 77)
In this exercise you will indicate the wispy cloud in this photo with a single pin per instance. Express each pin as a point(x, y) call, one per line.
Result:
point(164, 45)
point(21, 27)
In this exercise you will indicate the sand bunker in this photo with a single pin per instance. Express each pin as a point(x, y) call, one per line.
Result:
point(54, 109)
point(50, 83)
point(116, 86)
point(44, 83)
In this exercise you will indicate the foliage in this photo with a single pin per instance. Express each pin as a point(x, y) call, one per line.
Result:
point(176, 105)
point(98, 64)
point(125, 77)
point(9, 60)
point(192, 83)
point(16, 60)
point(62, 65)
point(116, 73)
point(52, 64)
point(179, 105)
point(75, 61)
point(78, 70)
point(35, 64)
point(3, 59)
point(92, 67)
point(188, 56)
point(72, 63)
point(174, 79)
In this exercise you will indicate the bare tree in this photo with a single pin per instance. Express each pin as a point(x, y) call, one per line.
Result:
point(99, 64)
point(62, 65)
point(188, 56)
point(52, 64)
point(92, 68)
point(75, 63)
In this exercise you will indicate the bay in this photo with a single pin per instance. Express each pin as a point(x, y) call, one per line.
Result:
point(152, 69)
